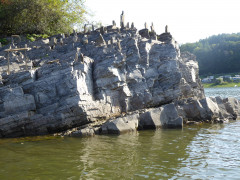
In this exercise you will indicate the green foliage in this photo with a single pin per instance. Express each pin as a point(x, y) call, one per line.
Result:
point(34, 37)
point(4, 41)
point(40, 16)
point(216, 54)
point(219, 81)
point(30, 37)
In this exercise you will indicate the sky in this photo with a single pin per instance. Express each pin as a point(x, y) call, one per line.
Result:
point(187, 20)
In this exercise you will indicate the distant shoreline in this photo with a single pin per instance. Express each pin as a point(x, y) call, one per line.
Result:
point(223, 85)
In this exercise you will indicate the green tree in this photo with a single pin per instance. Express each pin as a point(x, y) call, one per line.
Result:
point(40, 16)
point(217, 54)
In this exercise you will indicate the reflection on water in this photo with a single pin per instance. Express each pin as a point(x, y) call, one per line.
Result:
point(223, 92)
point(207, 152)
point(145, 154)
point(214, 154)
point(195, 152)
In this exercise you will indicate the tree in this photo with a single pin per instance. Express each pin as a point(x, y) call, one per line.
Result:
point(40, 16)
point(217, 54)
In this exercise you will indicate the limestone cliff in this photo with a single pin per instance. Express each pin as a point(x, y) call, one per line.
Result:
point(87, 78)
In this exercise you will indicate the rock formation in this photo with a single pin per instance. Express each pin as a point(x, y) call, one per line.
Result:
point(123, 81)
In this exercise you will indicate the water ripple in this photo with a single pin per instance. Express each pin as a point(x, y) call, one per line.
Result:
point(215, 155)
point(223, 92)
point(198, 152)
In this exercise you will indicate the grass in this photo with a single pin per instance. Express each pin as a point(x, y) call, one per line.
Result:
point(222, 85)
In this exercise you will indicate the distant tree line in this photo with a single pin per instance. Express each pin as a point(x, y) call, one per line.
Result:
point(40, 16)
point(216, 54)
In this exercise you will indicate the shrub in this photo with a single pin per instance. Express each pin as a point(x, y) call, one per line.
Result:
point(34, 37)
point(4, 41)
point(40, 16)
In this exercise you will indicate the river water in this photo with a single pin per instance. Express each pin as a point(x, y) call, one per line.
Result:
point(194, 152)
point(223, 92)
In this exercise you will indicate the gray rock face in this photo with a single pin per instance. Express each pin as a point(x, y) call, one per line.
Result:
point(125, 75)
point(232, 106)
point(165, 37)
point(144, 33)
point(221, 105)
point(170, 118)
point(166, 116)
point(150, 119)
point(120, 125)
point(208, 109)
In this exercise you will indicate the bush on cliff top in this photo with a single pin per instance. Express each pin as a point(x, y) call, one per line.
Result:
point(40, 16)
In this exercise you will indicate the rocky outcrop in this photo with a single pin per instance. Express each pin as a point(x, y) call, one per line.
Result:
point(213, 109)
point(165, 117)
point(107, 74)
point(173, 115)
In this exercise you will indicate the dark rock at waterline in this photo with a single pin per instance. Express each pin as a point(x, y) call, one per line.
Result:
point(120, 125)
point(165, 116)
point(209, 109)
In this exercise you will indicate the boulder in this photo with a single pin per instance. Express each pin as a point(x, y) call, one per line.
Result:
point(232, 106)
point(223, 114)
point(120, 125)
point(165, 116)
point(83, 132)
point(169, 117)
point(192, 109)
point(199, 110)
point(210, 107)
point(150, 119)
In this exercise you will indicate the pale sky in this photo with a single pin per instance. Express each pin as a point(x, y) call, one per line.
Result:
point(187, 20)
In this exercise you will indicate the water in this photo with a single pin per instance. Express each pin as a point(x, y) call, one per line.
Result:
point(194, 152)
point(223, 92)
